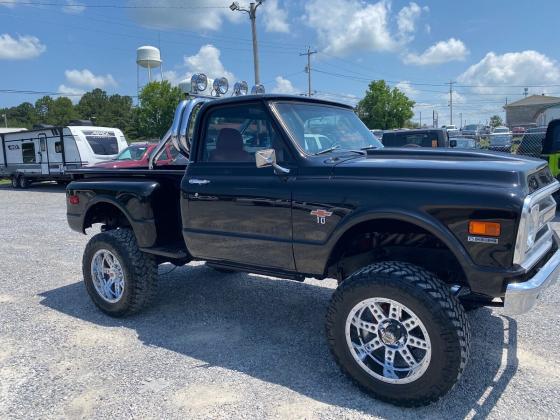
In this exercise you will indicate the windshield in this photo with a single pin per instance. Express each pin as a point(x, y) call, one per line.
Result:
point(102, 142)
point(319, 128)
point(471, 127)
point(501, 130)
point(132, 153)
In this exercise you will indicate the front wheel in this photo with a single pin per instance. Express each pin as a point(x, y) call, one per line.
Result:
point(395, 329)
point(23, 182)
point(119, 278)
point(15, 182)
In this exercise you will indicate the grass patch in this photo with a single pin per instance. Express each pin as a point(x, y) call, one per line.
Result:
point(4, 181)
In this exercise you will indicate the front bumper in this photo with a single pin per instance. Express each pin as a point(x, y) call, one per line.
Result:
point(522, 297)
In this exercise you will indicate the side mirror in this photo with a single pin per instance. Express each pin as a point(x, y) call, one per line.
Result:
point(266, 158)
point(453, 143)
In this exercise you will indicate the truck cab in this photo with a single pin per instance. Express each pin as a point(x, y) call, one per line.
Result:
point(297, 187)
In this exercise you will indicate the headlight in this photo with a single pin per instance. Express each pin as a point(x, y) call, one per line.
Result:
point(533, 225)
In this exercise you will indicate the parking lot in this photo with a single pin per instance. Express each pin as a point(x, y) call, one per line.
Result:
point(218, 346)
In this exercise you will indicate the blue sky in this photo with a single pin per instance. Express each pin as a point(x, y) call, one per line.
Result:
point(492, 49)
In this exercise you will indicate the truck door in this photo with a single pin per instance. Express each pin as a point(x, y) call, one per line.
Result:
point(43, 154)
point(233, 211)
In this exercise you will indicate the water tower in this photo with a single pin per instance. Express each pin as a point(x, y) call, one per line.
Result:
point(149, 58)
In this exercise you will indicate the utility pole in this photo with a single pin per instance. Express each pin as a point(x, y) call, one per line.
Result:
point(451, 83)
point(461, 123)
point(420, 119)
point(5, 120)
point(252, 12)
point(309, 53)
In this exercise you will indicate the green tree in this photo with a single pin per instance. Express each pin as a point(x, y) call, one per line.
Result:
point(107, 111)
point(495, 121)
point(23, 115)
point(154, 115)
point(92, 105)
point(384, 108)
point(61, 111)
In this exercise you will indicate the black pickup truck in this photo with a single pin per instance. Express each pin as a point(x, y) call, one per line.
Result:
point(296, 187)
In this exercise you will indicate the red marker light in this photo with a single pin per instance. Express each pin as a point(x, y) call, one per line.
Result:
point(74, 199)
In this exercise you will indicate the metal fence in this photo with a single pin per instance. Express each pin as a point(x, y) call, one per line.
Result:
point(527, 144)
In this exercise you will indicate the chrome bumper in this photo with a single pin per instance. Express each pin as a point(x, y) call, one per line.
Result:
point(522, 297)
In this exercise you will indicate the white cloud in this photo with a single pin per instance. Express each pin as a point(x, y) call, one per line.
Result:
point(407, 17)
point(442, 52)
point(345, 26)
point(86, 78)
point(10, 3)
point(515, 68)
point(209, 16)
point(73, 7)
point(22, 48)
point(207, 61)
point(284, 86)
point(275, 19)
point(405, 87)
point(71, 92)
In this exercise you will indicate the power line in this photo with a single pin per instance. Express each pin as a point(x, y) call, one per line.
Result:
point(108, 6)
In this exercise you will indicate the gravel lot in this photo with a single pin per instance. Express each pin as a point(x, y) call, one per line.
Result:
point(218, 346)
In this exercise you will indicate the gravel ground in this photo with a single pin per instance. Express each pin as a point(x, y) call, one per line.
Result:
point(218, 346)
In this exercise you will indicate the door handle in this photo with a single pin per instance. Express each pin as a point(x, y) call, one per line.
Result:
point(199, 181)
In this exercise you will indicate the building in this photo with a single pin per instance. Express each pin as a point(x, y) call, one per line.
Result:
point(526, 110)
point(548, 114)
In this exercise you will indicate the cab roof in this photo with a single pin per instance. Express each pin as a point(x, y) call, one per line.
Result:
point(271, 97)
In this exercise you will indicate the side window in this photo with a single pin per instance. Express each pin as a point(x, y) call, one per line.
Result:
point(236, 133)
point(28, 152)
point(58, 147)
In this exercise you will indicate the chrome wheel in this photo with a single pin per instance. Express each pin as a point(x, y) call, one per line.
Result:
point(107, 275)
point(388, 340)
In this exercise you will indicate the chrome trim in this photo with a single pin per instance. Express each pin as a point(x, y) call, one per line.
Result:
point(522, 297)
point(178, 128)
point(522, 256)
point(199, 181)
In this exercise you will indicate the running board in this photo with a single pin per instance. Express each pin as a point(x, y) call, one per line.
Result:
point(171, 252)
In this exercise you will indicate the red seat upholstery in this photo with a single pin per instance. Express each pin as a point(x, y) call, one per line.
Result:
point(229, 147)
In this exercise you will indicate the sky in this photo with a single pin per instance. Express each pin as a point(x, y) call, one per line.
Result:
point(491, 49)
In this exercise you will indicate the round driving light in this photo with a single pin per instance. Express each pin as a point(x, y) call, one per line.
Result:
point(240, 88)
point(221, 86)
point(199, 82)
point(257, 90)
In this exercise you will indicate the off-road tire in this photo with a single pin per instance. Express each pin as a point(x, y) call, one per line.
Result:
point(15, 182)
point(430, 299)
point(140, 272)
point(23, 182)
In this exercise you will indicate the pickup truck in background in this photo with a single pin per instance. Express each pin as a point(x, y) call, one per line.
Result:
point(297, 187)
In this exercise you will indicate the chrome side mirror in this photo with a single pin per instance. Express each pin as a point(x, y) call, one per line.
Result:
point(266, 158)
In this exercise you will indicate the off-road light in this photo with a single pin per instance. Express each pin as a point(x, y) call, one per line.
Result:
point(240, 88)
point(221, 86)
point(257, 90)
point(199, 82)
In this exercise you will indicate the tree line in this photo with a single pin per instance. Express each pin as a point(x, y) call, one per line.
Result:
point(150, 119)
point(382, 107)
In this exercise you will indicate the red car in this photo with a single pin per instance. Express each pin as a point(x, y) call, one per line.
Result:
point(137, 155)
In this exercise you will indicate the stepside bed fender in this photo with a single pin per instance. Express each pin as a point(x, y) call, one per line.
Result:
point(132, 198)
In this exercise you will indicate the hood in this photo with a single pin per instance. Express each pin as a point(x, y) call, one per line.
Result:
point(446, 166)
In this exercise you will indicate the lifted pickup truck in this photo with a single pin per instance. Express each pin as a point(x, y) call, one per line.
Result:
point(414, 236)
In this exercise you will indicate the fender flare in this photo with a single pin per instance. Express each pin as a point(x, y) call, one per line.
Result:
point(144, 229)
point(422, 220)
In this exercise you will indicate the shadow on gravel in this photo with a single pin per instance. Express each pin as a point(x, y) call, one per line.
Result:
point(46, 187)
point(273, 330)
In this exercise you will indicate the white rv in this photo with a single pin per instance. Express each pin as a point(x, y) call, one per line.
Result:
point(46, 153)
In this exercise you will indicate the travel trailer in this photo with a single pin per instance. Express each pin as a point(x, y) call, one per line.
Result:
point(46, 154)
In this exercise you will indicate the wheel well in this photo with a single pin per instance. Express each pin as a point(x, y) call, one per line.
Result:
point(107, 214)
point(393, 240)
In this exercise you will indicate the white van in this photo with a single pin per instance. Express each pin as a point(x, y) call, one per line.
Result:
point(46, 153)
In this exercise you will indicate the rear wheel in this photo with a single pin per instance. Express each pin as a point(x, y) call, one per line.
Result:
point(395, 329)
point(15, 182)
point(23, 182)
point(119, 278)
